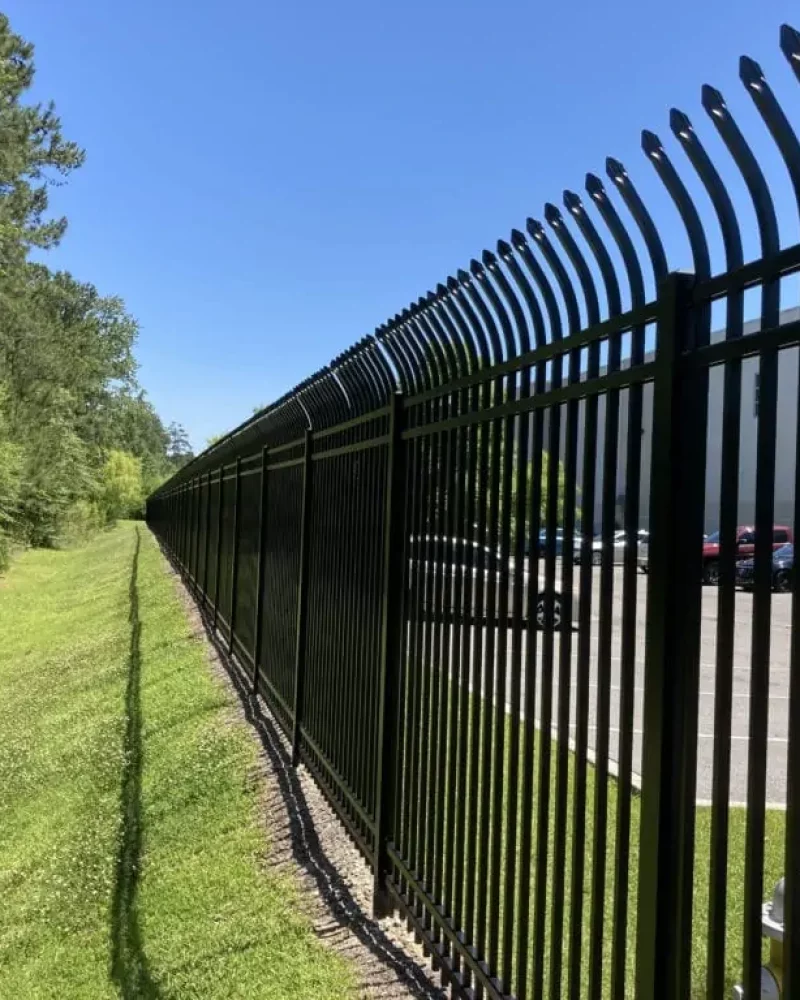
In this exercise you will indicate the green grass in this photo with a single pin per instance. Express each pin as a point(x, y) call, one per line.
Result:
point(131, 849)
point(498, 825)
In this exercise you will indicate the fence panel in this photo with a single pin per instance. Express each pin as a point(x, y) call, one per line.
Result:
point(281, 581)
point(467, 567)
point(247, 558)
point(345, 567)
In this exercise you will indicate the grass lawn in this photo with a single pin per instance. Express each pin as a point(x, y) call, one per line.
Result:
point(773, 870)
point(131, 849)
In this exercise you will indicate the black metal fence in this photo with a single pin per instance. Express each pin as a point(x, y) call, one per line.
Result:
point(504, 712)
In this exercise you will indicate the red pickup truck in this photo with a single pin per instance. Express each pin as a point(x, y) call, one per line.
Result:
point(745, 547)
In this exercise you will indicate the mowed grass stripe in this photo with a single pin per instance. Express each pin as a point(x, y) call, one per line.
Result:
point(131, 849)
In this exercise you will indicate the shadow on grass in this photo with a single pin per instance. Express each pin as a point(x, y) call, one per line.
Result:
point(128, 966)
point(344, 911)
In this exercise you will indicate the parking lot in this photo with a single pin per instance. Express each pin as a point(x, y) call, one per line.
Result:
point(779, 673)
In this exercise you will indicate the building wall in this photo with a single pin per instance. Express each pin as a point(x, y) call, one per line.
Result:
point(788, 384)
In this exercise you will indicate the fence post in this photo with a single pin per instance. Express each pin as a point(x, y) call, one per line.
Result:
point(392, 617)
point(262, 537)
point(198, 502)
point(187, 506)
point(205, 540)
point(669, 753)
point(218, 547)
point(182, 527)
point(235, 550)
point(302, 600)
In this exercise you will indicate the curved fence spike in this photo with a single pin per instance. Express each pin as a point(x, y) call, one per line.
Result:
point(481, 310)
point(424, 362)
point(578, 261)
point(446, 331)
point(345, 372)
point(384, 344)
point(428, 316)
point(442, 333)
point(385, 373)
point(399, 344)
point(458, 339)
point(400, 353)
point(476, 276)
point(655, 152)
point(458, 316)
point(430, 338)
point(790, 46)
point(540, 278)
point(404, 370)
point(306, 418)
point(748, 165)
point(378, 392)
point(506, 254)
point(620, 235)
point(752, 76)
point(575, 206)
point(366, 379)
point(633, 202)
point(319, 400)
point(338, 403)
point(712, 182)
point(488, 263)
point(426, 365)
point(460, 300)
point(430, 344)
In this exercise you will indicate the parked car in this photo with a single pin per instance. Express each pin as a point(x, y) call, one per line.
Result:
point(643, 553)
point(745, 548)
point(558, 536)
point(433, 553)
point(782, 570)
point(593, 547)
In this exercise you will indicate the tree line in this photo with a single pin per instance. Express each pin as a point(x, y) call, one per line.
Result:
point(80, 443)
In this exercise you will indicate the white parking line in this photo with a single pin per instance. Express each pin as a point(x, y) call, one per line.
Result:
point(703, 694)
point(700, 736)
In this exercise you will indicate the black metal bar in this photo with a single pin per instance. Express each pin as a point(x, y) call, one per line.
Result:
point(302, 599)
point(235, 552)
point(349, 449)
point(391, 644)
point(218, 548)
point(339, 780)
point(629, 593)
point(729, 496)
point(258, 624)
point(545, 352)
point(288, 464)
point(206, 540)
point(532, 659)
point(364, 418)
point(670, 694)
point(750, 345)
point(469, 955)
point(196, 532)
point(791, 945)
point(582, 390)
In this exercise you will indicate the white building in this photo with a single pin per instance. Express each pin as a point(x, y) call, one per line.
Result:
point(788, 386)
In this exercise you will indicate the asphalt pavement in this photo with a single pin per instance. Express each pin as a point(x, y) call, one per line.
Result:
point(779, 674)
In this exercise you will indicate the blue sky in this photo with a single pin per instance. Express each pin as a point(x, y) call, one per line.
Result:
point(266, 183)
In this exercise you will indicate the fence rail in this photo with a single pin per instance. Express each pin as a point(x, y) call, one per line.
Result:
point(507, 716)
